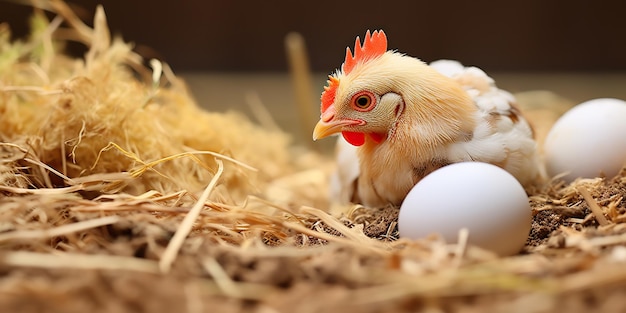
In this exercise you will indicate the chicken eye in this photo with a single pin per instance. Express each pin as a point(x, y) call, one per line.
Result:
point(363, 101)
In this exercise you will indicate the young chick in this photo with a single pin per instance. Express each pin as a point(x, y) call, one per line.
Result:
point(401, 119)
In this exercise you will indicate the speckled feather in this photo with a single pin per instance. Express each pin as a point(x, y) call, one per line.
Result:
point(440, 114)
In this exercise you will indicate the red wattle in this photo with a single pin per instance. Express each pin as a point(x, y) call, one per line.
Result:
point(355, 139)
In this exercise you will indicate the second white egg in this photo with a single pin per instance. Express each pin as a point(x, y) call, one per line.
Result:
point(588, 140)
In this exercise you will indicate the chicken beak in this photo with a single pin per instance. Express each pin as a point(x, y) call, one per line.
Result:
point(325, 128)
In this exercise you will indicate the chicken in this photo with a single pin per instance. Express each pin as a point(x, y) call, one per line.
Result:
point(401, 119)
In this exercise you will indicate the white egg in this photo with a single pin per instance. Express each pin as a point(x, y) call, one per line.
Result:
point(483, 198)
point(588, 140)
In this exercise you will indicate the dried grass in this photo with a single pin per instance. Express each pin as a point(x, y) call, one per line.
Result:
point(121, 194)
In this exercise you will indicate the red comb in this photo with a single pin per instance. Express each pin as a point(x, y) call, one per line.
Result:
point(328, 96)
point(373, 46)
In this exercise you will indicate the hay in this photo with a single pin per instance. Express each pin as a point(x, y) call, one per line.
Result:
point(106, 121)
point(121, 194)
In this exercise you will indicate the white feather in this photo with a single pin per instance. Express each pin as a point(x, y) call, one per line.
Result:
point(343, 179)
point(501, 141)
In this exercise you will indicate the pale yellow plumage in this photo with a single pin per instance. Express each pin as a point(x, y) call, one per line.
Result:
point(427, 117)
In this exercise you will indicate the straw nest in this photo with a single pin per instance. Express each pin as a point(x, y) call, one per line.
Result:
point(120, 194)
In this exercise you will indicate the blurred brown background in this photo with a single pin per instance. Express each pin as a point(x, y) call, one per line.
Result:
point(232, 51)
point(532, 35)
